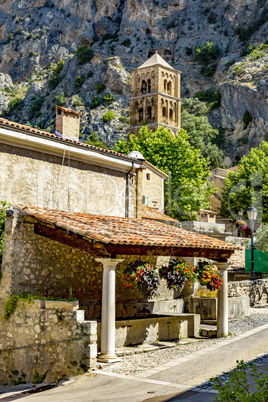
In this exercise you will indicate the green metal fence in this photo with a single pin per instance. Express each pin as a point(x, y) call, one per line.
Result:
point(260, 261)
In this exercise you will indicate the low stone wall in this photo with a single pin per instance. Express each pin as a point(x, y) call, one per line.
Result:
point(45, 338)
point(257, 291)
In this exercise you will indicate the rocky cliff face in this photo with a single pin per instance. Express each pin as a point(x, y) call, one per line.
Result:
point(37, 34)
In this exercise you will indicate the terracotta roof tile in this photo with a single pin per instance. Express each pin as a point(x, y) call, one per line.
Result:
point(125, 231)
point(66, 110)
point(11, 124)
point(151, 213)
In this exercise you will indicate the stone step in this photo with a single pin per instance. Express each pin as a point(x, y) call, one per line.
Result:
point(208, 333)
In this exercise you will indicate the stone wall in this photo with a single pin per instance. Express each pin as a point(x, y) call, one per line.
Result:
point(33, 264)
point(256, 290)
point(48, 338)
point(34, 178)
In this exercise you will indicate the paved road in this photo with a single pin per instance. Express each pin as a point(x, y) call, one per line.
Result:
point(173, 381)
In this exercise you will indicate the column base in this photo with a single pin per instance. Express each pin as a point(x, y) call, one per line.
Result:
point(108, 358)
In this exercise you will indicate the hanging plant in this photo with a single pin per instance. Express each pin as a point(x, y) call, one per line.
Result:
point(209, 276)
point(177, 275)
point(140, 275)
point(242, 224)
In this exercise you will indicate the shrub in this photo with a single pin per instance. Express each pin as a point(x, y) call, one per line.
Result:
point(239, 68)
point(108, 98)
point(100, 87)
point(95, 102)
point(108, 116)
point(261, 242)
point(84, 54)
point(35, 107)
point(55, 78)
point(256, 54)
point(15, 104)
point(207, 53)
point(78, 102)
point(60, 99)
point(79, 81)
point(237, 388)
point(124, 119)
point(90, 74)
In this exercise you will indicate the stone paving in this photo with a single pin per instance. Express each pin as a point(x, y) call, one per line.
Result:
point(138, 362)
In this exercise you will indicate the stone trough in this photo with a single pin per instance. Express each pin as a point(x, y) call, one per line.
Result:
point(154, 328)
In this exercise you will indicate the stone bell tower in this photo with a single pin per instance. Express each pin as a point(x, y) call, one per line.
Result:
point(155, 96)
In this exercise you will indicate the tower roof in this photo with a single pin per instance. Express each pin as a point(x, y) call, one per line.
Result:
point(156, 59)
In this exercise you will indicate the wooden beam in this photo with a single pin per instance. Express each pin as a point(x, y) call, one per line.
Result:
point(71, 239)
point(214, 254)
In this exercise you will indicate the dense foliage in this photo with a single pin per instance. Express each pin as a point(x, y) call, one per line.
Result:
point(249, 185)
point(239, 388)
point(201, 134)
point(187, 189)
point(261, 242)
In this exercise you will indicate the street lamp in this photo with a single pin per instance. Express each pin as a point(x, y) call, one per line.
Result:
point(252, 216)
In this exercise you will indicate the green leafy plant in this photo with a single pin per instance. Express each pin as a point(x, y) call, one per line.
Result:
point(247, 119)
point(36, 107)
point(13, 300)
point(261, 242)
point(79, 81)
point(78, 101)
point(187, 188)
point(84, 54)
point(108, 98)
point(140, 275)
point(39, 378)
point(108, 116)
point(100, 87)
point(207, 53)
point(60, 99)
point(178, 274)
point(93, 139)
point(55, 77)
point(237, 388)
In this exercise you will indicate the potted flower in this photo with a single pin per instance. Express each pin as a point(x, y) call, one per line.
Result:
point(141, 276)
point(178, 274)
point(208, 276)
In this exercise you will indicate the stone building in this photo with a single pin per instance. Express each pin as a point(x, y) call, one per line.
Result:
point(155, 96)
point(57, 171)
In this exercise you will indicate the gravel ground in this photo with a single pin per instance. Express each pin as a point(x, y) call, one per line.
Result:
point(136, 363)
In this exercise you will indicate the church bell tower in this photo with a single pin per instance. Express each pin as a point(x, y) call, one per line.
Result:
point(155, 96)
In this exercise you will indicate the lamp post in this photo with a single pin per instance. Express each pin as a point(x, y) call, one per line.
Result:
point(252, 216)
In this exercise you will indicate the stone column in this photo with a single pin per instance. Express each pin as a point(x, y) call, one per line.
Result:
point(222, 310)
point(108, 310)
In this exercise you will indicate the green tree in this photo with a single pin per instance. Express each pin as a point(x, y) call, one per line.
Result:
point(187, 189)
point(249, 185)
point(201, 133)
point(261, 242)
point(93, 139)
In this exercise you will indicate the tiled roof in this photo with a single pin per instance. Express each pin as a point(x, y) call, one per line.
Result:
point(14, 125)
point(151, 213)
point(111, 230)
point(66, 110)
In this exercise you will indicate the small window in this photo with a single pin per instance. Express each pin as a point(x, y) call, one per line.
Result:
point(145, 200)
point(59, 111)
point(148, 176)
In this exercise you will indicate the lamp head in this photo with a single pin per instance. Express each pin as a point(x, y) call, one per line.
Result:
point(252, 213)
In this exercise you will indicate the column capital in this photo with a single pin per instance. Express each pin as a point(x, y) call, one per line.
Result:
point(222, 266)
point(109, 262)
